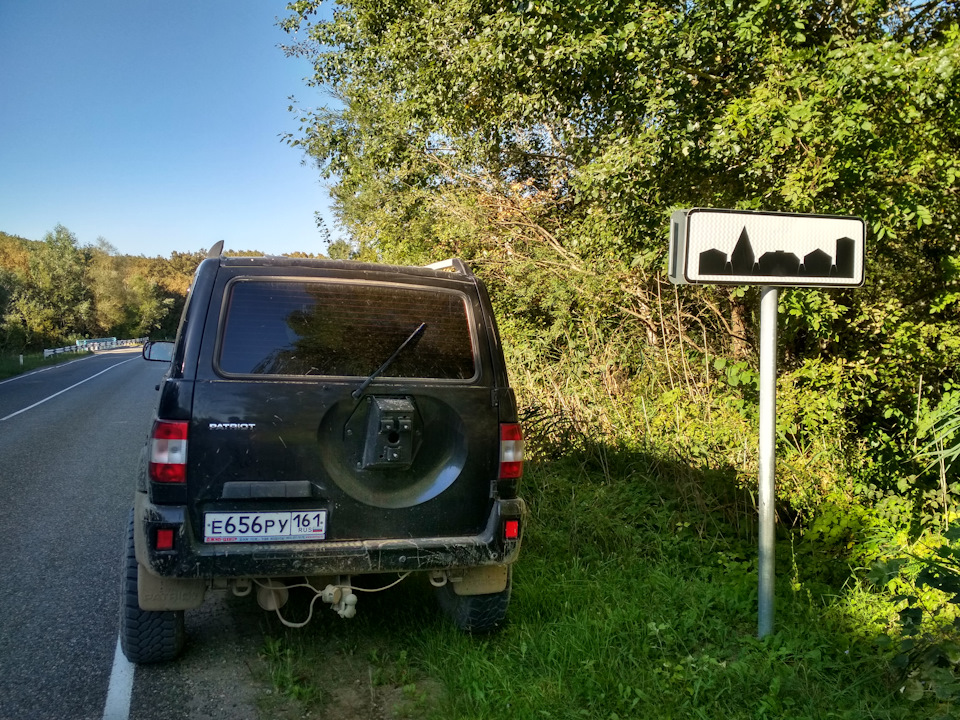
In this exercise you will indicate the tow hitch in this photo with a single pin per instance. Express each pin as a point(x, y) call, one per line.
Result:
point(341, 599)
point(272, 594)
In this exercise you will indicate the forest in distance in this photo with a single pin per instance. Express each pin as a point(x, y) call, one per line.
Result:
point(54, 291)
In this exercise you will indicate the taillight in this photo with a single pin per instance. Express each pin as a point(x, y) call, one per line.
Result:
point(168, 452)
point(511, 451)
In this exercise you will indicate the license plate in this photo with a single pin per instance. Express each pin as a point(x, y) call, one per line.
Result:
point(224, 527)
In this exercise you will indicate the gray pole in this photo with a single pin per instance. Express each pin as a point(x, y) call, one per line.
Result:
point(768, 437)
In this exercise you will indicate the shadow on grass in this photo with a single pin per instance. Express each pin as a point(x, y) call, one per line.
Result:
point(634, 596)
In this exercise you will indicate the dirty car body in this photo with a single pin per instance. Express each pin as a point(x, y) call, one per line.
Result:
point(322, 420)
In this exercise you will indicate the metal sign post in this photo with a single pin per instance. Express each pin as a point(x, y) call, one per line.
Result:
point(773, 250)
point(768, 439)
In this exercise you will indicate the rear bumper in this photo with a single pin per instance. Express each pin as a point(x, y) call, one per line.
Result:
point(190, 559)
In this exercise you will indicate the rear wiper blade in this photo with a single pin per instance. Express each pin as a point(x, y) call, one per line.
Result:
point(382, 369)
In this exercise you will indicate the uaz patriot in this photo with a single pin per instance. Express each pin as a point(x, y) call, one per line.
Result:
point(321, 421)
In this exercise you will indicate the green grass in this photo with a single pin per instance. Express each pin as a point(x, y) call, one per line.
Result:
point(10, 364)
point(629, 602)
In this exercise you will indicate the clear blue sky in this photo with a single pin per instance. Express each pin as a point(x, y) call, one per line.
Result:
point(154, 125)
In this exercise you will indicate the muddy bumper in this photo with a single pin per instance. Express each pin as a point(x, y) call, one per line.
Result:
point(499, 543)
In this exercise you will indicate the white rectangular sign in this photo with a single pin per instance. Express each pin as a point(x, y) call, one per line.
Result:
point(738, 247)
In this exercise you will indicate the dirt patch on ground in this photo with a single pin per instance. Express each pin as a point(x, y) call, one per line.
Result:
point(242, 664)
point(216, 678)
point(335, 668)
point(357, 684)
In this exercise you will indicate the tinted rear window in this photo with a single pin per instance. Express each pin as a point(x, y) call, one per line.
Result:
point(344, 329)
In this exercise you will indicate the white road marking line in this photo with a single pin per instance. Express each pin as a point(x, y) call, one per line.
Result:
point(65, 390)
point(120, 690)
point(44, 369)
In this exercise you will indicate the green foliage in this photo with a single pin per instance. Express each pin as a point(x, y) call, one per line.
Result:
point(738, 374)
point(941, 429)
point(547, 142)
point(928, 652)
point(9, 285)
point(628, 602)
point(340, 250)
point(607, 114)
point(52, 301)
point(287, 671)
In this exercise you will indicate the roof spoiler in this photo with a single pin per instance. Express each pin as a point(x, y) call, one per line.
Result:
point(453, 265)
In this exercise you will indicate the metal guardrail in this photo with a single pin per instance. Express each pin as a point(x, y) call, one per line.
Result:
point(94, 341)
point(94, 346)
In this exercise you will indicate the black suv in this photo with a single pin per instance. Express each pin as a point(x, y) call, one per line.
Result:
point(322, 420)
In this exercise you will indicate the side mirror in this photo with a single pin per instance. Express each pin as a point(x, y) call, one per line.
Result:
point(158, 351)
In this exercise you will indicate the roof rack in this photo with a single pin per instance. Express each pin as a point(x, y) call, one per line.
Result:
point(453, 265)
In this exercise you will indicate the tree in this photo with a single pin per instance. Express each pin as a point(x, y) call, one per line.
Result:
point(9, 286)
point(548, 141)
point(14, 266)
point(15, 253)
point(107, 288)
point(606, 114)
point(53, 303)
point(148, 309)
point(340, 250)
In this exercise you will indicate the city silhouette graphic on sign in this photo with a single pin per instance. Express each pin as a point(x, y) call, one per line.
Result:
point(743, 261)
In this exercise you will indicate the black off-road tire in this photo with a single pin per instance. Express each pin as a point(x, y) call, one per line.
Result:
point(146, 636)
point(476, 614)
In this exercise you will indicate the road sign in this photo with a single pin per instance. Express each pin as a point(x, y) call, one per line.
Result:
point(737, 247)
point(733, 247)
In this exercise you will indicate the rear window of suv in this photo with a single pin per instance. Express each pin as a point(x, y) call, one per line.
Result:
point(300, 328)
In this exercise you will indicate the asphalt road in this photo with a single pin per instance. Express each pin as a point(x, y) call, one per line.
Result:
point(70, 439)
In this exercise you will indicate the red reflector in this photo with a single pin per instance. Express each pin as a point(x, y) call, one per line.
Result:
point(168, 452)
point(511, 530)
point(164, 539)
point(511, 451)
